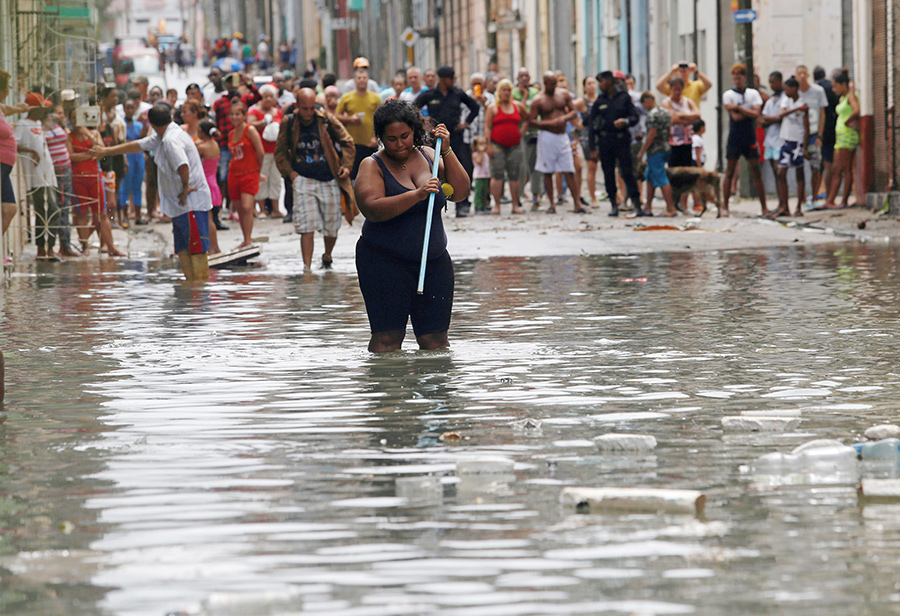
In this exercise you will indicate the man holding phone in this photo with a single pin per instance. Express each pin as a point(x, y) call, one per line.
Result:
point(694, 89)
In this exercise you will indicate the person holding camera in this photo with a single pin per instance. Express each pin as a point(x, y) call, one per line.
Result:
point(694, 89)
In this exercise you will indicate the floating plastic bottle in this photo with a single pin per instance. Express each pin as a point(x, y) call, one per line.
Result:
point(887, 449)
point(822, 461)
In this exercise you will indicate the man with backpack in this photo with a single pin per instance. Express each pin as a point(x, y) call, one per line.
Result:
point(315, 153)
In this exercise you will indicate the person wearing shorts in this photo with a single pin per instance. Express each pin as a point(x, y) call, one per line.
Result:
point(744, 106)
point(816, 100)
point(550, 111)
point(502, 124)
point(184, 195)
point(656, 147)
point(771, 123)
point(794, 151)
point(246, 149)
point(8, 156)
point(306, 153)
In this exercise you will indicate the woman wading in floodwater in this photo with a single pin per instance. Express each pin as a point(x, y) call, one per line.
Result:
point(392, 190)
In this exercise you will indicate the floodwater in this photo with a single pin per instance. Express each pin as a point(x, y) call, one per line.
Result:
point(233, 449)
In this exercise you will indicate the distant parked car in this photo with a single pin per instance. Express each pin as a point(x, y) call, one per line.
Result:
point(131, 60)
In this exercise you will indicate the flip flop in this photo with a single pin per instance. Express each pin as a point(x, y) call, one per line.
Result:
point(581, 210)
point(551, 210)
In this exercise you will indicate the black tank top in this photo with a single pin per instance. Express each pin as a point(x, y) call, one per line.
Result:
point(402, 236)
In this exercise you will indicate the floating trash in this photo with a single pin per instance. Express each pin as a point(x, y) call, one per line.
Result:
point(634, 500)
point(882, 431)
point(425, 490)
point(822, 461)
point(741, 423)
point(885, 449)
point(879, 490)
point(486, 465)
point(625, 442)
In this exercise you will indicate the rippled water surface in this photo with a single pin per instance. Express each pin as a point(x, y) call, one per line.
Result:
point(234, 447)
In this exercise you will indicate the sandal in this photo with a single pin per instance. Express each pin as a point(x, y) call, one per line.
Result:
point(551, 209)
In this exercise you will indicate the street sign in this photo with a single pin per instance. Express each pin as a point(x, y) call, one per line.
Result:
point(409, 37)
point(344, 23)
point(744, 16)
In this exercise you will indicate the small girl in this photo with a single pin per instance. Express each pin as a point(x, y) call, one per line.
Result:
point(697, 143)
point(209, 152)
point(481, 174)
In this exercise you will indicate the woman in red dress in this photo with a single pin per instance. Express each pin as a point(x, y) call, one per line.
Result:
point(88, 186)
point(246, 149)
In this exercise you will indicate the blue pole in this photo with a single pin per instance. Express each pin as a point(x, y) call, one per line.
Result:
point(428, 216)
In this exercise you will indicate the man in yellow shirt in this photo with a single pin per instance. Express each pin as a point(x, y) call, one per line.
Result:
point(356, 111)
point(694, 89)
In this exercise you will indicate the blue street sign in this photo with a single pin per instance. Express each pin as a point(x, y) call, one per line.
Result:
point(744, 16)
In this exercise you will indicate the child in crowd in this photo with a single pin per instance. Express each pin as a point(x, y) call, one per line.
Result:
point(209, 152)
point(656, 147)
point(697, 143)
point(481, 174)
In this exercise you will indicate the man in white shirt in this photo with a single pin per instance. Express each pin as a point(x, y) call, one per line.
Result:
point(214, 89)
point(794, 132)
point(143, 106)
point(814, 97)
point(771, 121)
point(414, 79)
point(285, 96)
point(744, 106)
point(39, 174)
point(183, 192)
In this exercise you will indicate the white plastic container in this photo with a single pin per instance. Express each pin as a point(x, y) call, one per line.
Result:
point(485, 465)
point(741, 423)
point(626, 442)
point(882, 431)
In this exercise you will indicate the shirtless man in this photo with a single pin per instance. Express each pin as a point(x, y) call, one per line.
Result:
point(554, 151)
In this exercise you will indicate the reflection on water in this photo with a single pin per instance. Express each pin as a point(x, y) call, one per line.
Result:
point(167, 447)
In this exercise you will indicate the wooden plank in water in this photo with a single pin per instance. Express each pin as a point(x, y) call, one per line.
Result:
point(233, 258)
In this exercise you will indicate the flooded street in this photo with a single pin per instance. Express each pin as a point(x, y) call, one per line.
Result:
point(234, 449)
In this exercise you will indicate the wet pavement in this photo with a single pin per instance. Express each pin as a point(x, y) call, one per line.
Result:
point(233, 449)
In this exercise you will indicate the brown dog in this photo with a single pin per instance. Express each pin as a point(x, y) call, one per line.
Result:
point(694, 180)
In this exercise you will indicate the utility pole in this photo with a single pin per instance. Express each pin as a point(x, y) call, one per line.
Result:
point(743, 42)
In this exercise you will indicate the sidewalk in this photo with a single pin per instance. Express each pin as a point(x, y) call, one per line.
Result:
point(565, 233)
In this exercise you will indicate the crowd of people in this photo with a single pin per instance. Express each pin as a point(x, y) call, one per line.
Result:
point(329, 150)
point(516, 140)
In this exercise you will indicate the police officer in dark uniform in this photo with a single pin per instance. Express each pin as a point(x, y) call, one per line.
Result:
point(609, 139)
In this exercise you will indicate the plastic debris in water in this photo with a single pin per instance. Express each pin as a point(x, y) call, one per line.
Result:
point(424, 490)
point(633, 500)
point(882, 431)
point(822, 461)
point(485, 465)
point(759, 424)
point(626, 442)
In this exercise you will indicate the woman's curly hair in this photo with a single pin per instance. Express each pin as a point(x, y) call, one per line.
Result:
point(395, 110)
